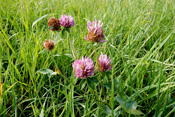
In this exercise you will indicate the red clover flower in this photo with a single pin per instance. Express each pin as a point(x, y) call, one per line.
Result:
point(67, 21)
point(83, 68)
point(95, 32)
point(104, 63)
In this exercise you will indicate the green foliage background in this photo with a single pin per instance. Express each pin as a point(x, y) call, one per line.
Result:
point(141, 40)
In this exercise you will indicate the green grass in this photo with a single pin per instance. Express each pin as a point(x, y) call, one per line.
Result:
point(141, 41)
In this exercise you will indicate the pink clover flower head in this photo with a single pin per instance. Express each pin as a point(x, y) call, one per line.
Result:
point(67, 21)
point(83, 68)
point(104, 63)
point(95, 32)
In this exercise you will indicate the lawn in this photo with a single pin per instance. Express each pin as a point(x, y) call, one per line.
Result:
point(39, 81)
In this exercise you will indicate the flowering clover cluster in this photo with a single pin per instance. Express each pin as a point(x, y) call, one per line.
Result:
point(84, 67)
point(55, 25)
point(65, 21)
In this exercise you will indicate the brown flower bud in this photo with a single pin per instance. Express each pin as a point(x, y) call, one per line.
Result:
point(58, 71)
point(49, 45)
point(54, 24)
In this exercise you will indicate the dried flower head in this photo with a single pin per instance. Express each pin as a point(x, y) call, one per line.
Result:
point(83, 68)
point(104, 63)
point(66, 21)
point(95, 32)
point(54, 24)
point(48, 44)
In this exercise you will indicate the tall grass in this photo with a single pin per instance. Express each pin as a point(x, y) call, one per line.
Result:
point(141, 41)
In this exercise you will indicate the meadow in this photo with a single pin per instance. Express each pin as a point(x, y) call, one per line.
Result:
point(140, 42)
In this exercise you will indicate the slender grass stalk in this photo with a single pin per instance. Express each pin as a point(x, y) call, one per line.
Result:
point(72, 97)
point(112, 95)
point(158, 93)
